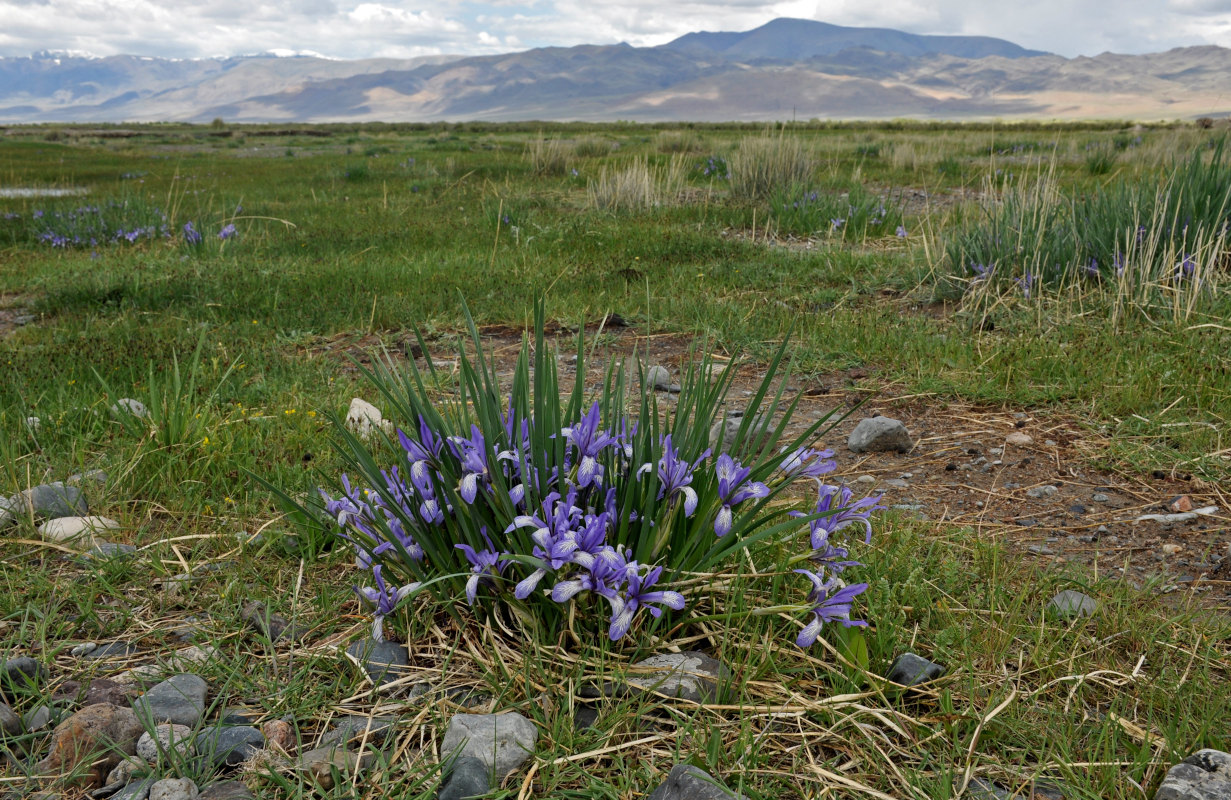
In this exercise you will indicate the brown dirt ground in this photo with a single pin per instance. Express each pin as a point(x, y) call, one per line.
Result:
point(961, 471)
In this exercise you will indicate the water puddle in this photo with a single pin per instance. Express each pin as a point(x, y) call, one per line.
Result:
point(30, 191)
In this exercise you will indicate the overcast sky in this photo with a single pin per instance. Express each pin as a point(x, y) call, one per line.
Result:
point(348, 29)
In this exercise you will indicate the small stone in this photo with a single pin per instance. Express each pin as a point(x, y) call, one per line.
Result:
point(690, 676)
point(1077, 508)
point(877, 434)
point(124, 771)
point(897, 483)
point(272, 626)
point(21, 672)
point(980, 789)
point(1181, 504)
point(1050, 442)
point(83, 649)
point(686, 782)
point(137, 790)
point(584, 717)
point(1071, 604)
point(865, 479)
point(165, 739)
point(49, 501)
point(174, 789)
point(229, 746)
point(363, 419)
point(129, 406)
point(112, 650)
point(179, 699)
point(384, 661)
point(93, 478)
point(909, 669)
point(226, 790)
point(1019, 439)
point(1171, 549)
point(469, 777)
point(1204, 775)
point(657, 377)
point(376, 730)
point(1041, 550)
point(10, 723)
point(99, 690)
point(322, 762)
point(501, 741)
point(97, 735)
point(1099, 497)
point(104, 550)
point(175, 586)
point(279, 733)
point(36, 718)
point(1042, 492)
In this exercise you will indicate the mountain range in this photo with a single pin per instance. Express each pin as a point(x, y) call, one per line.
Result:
point(787, 68)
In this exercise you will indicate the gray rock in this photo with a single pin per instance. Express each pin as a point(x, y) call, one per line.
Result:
point(165, 739)
point(226, 790)
point(174, 789)
point(121, 775)
point(137, 790)
point(897, 483)
point(691, 676)
point(1042, 492)
point(21, 672)
point(501, 741)
point(229, 746)
point(50, 501)
point(584, 717)
point(980, 789)
point(1205, 775)
point(90, 479)
point(1099, 497)
point(686, 782)
point(8, 515)
point(876, 434)
point(36, 718)
point(376, 730)
point(111, 650)
point(10, 723)
point(1070, 603)
point(657, 377)
point(469, 777)
point(104, 550)
point(909, 669)
point(382, 660)
point(127, 405)
point(179, 700)
point(323, 762)
point(272, 626)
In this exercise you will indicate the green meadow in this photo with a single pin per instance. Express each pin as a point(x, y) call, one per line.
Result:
point(240, 281)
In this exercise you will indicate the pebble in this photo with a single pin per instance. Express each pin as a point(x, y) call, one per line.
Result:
point(226, 790)
point(77, 741)
point(501, 741)
point(657, 377)
point(690, 675)
point(10, 722)
point(71, 529)
point(36, 718)
point(865, 479)
point(1019, 439)
point(92, 476)
point(174, 586)
point(376, 730)
point(383, 661)
point(122, 773)
point(879, 434)
point(110, 650)
point(174, 789)
point(179, 699)
point(1050, 442)
point(1171, 549)
point(49, 501)
point(127, 405)
point(686, 782)
point(909, 669)
point(1099, 497)
point(897, 483)
point(22, 671)
point(322, 762)
point(229, 746)
point(1204, 775)
point(137, 790)
point(279, 733)
point(1072, 604)
point(1042, 492)
point(1040, 550)
point(165, 739)
point(468, 777)
point(106, 550)
point(363, 419)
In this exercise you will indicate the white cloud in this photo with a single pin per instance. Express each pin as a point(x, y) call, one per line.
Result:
point(350, 29)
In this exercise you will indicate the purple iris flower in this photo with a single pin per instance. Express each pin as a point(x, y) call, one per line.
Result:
point(472, 453)
point(675, 475)
point(589, 441)
point(832, 603)
point(421, 453)
point(1027, 283)
point(733, 489)
point(555, 540)
point(486, 565)
point(637, 595)
point(385, 598)
point(901, 232)
point(982, 272)
point(808, 463)
point(227, 232)
point(835, 501)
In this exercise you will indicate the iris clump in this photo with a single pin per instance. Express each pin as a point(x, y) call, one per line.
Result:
point(854, 216)
point(114, 222)
point(540, 506)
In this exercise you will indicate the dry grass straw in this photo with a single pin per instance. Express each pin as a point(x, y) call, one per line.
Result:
point(638, 186)
point(549, 156)
point(765, 164)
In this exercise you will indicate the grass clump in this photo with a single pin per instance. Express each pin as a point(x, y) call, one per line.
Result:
point(763, 165)
point(853, 216)
point(637, 186)
point(549, 156)
point(592, 147)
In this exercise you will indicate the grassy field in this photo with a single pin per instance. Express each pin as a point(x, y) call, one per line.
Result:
point(951, 263)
